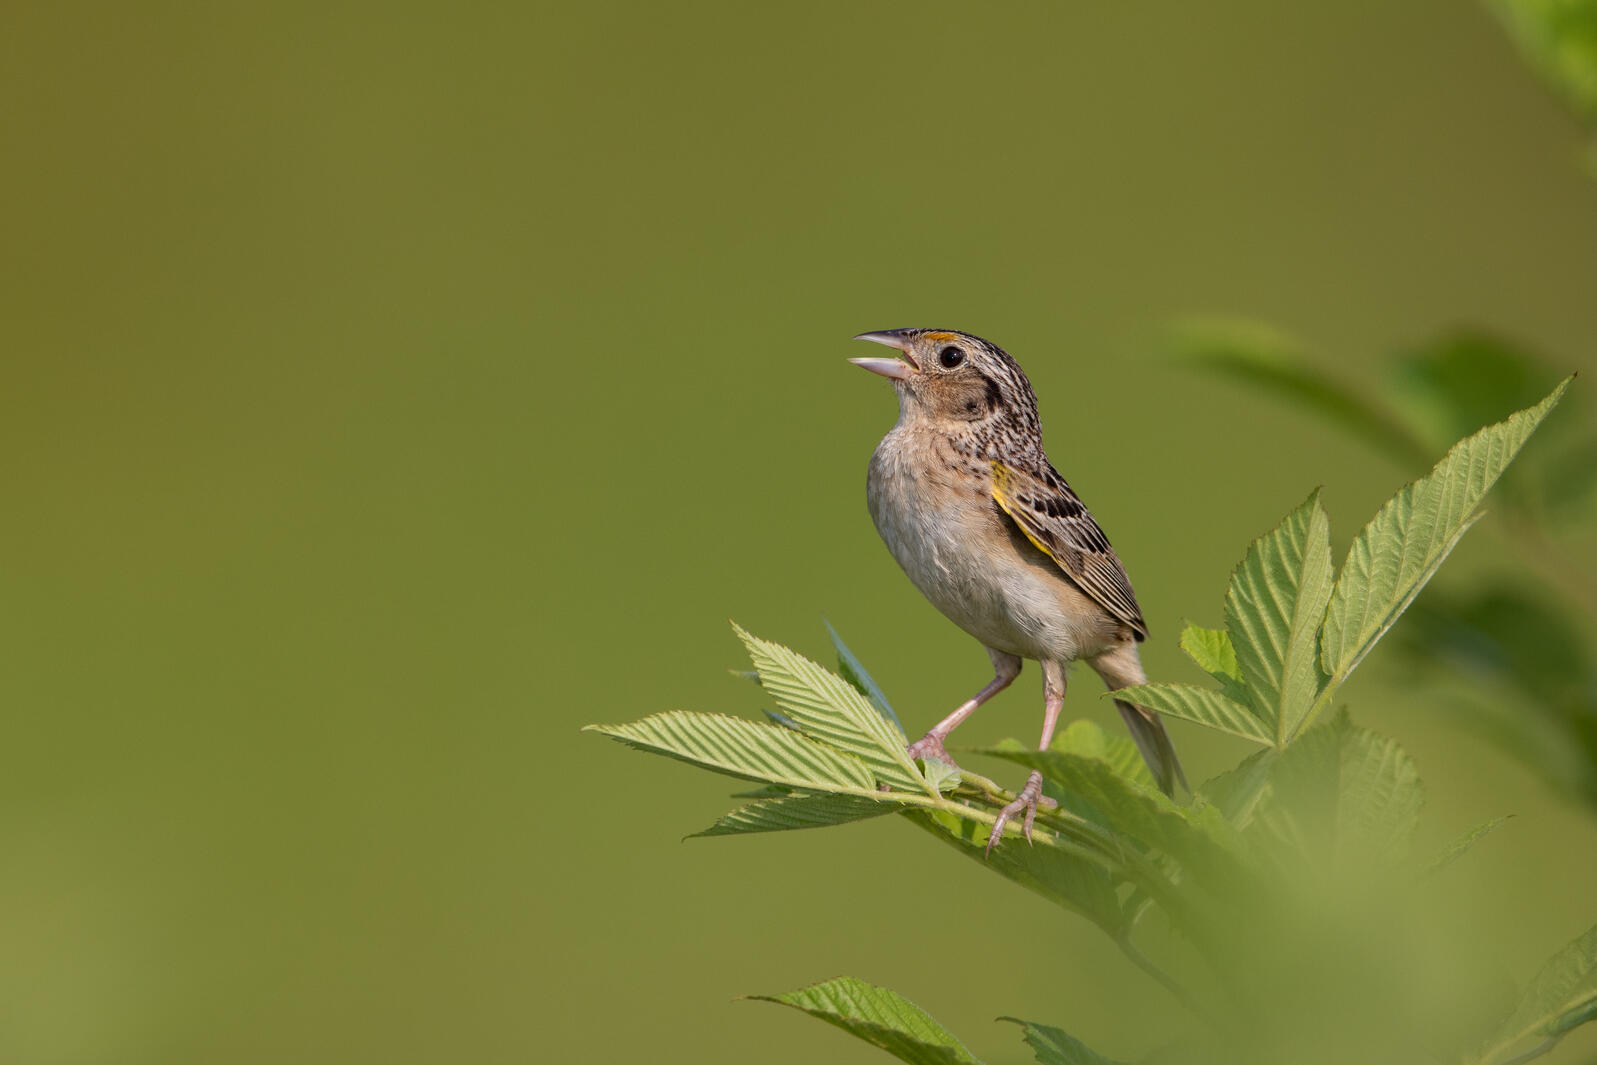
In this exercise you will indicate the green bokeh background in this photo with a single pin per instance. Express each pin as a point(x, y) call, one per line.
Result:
point(390, 390)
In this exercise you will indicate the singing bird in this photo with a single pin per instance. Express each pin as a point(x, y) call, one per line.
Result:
point(985, 527)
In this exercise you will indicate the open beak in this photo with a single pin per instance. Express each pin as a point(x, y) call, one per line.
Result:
point(894, 369)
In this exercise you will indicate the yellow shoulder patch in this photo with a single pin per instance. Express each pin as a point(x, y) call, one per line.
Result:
point(1003, 494)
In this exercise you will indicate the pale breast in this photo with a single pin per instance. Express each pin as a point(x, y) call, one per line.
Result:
point(934, 508)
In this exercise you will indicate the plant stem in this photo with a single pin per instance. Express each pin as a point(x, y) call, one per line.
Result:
point(1534, 1052)
point(1160, 977)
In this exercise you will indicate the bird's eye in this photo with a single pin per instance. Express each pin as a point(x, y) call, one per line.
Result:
point(951, 357)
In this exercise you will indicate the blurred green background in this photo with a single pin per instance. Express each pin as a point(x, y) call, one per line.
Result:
point(390, 390)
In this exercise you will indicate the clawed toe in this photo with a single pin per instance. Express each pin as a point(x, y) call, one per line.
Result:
point(1027, 801)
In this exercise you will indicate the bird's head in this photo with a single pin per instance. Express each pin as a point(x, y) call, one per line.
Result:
point(951, 377)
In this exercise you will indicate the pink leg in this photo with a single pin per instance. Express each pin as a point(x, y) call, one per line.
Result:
point(1053, 686)
point(1006, 667)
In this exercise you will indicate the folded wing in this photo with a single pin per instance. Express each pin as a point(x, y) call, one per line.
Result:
point(1057, 522)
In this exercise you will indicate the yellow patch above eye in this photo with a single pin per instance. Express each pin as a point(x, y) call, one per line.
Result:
point(941, 337)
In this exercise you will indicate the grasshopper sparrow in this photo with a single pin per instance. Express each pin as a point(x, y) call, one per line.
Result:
point(986, 528)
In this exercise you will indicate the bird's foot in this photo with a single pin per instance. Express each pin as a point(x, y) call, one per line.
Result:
point(929, 746)
point(1028, 800)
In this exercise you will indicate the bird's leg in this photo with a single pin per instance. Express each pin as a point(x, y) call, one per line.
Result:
point(1053, 686)
point(1006, 667)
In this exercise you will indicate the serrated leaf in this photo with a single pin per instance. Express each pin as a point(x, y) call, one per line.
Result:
point(1458, 847)
point(1239, 790)
point(1063, 873)
point(1196, 836)
point(1560, 997)
point(1203, 706)
point(1381, 794)
point(745, 749)
point(791, 812)
point(1273, 609)
point(1343, 792)
point(880, 1017)
point(1053, 1046)
point(829, 709)
point(853, 671)
point(1091, 740)
point(1402, 546)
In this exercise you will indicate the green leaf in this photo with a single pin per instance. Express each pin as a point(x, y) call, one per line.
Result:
point(1091, 740)
point(1457, 848)
point(1211, 649)
point(1266, 358)
point(1559, 39)
point(1273, 609)
point(1402, 546)
point(1213, 652)
point(1054, 1047)
point(1238, 791)
point(1065, 874)
point(1201, 705)
point(1457, 382)
point(829, 708)
point(1195, 836)
point(853, 671)
point(1343, 792)
point(745, 749)
point(1560, 997)
point(798, 811)
point(1381, 794)
point(880, 1017)
point(942, 776)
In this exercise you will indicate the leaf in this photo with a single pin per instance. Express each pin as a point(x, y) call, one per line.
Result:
point(745, 749)
point(853, 671)
point(1201, 705)
point(1343, 792)
point(1054, 1047)
point(880, 1017)
point(1559, 39)
point(1560, 997)
point(798, 811)
point(1381, 795)
point(1091, 740)
point(1213, 652)
point(1457, 848)
point(1240, 789)
point(1512, 665)
point(1211, 649)
point(1402, 546)
point(1261, 356)
point(1195, 836)
point(1456, 382)
point(1513, 630)
point(1064, 874)
point(1273, 610)
point(828, 708)
point(942, 776)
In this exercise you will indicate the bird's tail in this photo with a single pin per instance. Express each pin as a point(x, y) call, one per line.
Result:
point(1154, 743)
